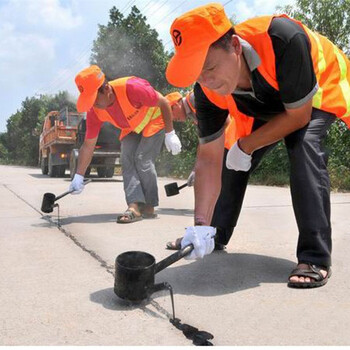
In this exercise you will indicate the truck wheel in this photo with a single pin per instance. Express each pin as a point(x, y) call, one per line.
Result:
point(61, 170)
point(44, 166)
point(53, 169)
point(110, 171)
point(101, 171)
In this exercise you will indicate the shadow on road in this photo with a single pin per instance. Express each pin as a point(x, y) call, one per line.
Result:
point(112, 217)
point(177, 212)
point(89, 219)
point(217, 274)
point(66, 178)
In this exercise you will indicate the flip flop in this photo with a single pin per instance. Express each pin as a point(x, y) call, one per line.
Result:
point(128, 217)
point(313, 272)
point(174, 245)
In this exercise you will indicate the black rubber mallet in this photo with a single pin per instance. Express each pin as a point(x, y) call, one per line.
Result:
point(173, 189)
point(49, 200)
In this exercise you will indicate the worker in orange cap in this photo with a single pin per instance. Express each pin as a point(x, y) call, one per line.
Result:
point(294, 83)
point(144, 116)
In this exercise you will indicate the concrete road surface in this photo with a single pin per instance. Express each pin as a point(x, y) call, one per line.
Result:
point(56, 286)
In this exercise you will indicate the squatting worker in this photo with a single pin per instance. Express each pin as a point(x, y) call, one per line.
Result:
point(144, 116)
point(294, 83)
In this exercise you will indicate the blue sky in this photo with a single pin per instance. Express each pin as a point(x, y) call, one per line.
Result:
point(44, 43)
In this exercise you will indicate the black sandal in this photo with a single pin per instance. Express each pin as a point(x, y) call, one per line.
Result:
point(313, 272)
point(128, 217)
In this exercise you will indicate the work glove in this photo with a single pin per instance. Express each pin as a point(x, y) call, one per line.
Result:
point(190, 180)
point(172, 142)
point(238, 160)
point(202, 238)
point(77, 184)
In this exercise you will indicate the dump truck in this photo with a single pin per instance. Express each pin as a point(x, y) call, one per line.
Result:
point(62, 136)
point(58, 138)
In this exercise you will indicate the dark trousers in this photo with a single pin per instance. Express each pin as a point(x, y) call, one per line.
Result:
point(310, 190)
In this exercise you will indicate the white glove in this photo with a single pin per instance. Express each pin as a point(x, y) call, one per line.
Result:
point(237, 159)
point(172, 142)
point(202, 238)
point(190, 180)
point(77, 184)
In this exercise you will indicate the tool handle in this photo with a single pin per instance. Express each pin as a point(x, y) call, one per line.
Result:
point(182, 186)
point(68, 192)
point(173, 258)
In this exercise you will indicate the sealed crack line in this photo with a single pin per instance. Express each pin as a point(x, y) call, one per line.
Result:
point(103, 263)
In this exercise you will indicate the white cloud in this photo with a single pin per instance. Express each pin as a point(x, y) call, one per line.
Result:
point(44, 13)
point(244, 10)
point(20, 54)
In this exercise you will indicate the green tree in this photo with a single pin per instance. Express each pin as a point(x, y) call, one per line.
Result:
point(128, 46)
point(21, 140)
point(330, 18)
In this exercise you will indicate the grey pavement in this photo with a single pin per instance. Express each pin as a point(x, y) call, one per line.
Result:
point(56, 285)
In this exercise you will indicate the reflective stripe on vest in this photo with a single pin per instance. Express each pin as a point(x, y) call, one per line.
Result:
point(317, 99)
point(152, 113)
point(343, 83)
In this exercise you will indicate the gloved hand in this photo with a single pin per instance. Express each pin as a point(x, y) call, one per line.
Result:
point(202, 238)
point(77, 184)
point(237, 159)
point(172, 142)
point(190, 180)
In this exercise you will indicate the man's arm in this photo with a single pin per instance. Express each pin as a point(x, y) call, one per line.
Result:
point(165, 108)
point(208, 179)
point(85, 154)
point(277, 128)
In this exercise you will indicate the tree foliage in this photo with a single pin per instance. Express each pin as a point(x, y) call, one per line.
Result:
point(330, 18)
point(128, 46)
point(20, 143)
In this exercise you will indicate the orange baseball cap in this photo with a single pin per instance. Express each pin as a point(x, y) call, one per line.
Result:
point(173, 97)
point(192, 34)
point(88, 81)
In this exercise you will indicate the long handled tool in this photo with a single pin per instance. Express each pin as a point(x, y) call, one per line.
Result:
point(49, 199)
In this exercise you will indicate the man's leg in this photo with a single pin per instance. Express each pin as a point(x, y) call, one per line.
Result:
point(310, 189)
point(131, 181)
point(229, 204)
point(145, 157)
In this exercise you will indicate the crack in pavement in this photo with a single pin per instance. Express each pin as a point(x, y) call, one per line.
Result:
point(67, 233)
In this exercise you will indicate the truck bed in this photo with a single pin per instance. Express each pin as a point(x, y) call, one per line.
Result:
point(58, 135)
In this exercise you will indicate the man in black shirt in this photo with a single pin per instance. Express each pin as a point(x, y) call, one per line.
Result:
point(271, 68)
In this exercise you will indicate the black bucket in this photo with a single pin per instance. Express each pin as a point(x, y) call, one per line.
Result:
point(135, 273)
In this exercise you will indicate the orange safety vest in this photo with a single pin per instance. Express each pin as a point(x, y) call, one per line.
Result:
point(237, 127)
point(147, 120)
point(331, 66)
point(240, 124)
